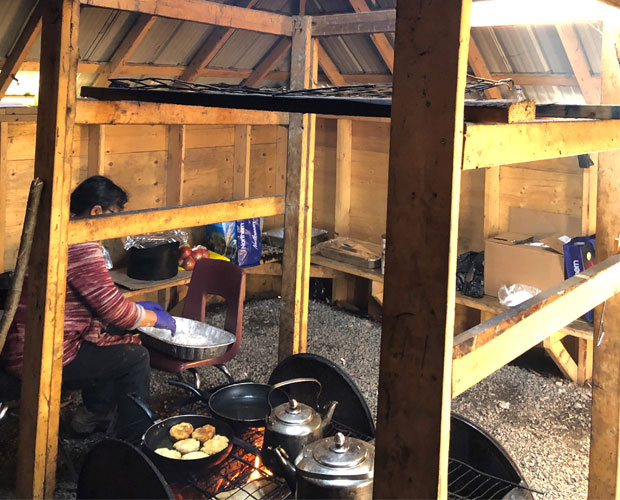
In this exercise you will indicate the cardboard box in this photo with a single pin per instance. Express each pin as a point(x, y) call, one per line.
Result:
point(510, 257)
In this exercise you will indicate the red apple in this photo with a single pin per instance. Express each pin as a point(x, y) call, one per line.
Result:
point(189, 263)
point(185, 252)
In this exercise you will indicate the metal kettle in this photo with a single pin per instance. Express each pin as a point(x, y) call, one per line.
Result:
point(334, 467)
point(293, 425)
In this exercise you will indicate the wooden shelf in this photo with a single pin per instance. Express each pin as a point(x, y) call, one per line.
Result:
point(371, 274)
point(579, 328)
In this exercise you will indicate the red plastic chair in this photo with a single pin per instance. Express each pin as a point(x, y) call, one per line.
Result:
point(210, 277)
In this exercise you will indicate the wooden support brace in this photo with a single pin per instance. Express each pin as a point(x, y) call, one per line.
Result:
point(480, 69)
point(329, 68)
point(273, 57)
point(578, 61)
point(241, 162)
point(561, 357)
point(376, 21)
point(175, 169)
point(42, 368)
point(96, 150)
point(499, 111)
point(380, 41)
point(4, 177)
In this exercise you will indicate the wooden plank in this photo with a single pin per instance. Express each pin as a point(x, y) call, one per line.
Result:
point(175, 167)
point(499, 111)
point(513, 332)
point(4, 178)
point(342, 219)
point(329, 68)
point(561, 357)
point(149, 113)
point(541, 79)
point(273, 57)
point(376, 21)
point(299, 196)
point(613, 3)
point(20, 49)
point(127, 47)
point(216, 40)
point(413, 414)
point(492, 201)
point(96, 150)
point(203, 11)
point(480, 69)
point(275, 269)
point(241, 166)
point(501, 144)
point(42, 369)
point(147, 221)
point(604, 477)
point(370, 274)
point(590, 111)
point(380, 41)
point(578, 61)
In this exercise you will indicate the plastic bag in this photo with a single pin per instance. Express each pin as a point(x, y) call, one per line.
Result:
point(108, 259)
point(248, 242)
point(470, 274)
point(150, 240)
point(221, 239)
point(579, 254)
point(514, 295)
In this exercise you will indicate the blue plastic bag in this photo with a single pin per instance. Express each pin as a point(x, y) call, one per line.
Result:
point(579, 255)
point(221, 239)
point(248, 242)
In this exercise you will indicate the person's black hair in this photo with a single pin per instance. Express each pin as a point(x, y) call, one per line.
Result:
point(97, 190)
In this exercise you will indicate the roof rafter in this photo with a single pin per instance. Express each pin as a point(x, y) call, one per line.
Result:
point(380, 41)
point(273, 57)
point(588, 84)
point(480, 68)
point(375, 21)
point(329, 68)
point(20, 49)
point(206, 12)
point(211, 47)
point(126, 48)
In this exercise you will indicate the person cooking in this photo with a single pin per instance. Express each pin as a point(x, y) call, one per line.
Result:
point(104, 366)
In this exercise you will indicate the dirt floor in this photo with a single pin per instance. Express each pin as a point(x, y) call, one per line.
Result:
point(541, 419)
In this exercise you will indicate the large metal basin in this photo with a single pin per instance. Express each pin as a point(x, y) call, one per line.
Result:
point(192, 341)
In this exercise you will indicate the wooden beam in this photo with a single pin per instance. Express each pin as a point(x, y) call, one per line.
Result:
point(329, 68)
point(148, 113)
point(126, 48)
point(480, 69)
point(587, 111)
point(96, 150)
point(175, 168)
point(504, 144)
point(299, 190)
point(499, 111)
point(376, 21)
point(491, 224)
point(206, 12)
point(42, 368)
point(241, 162)
point(613, 3)
point(413, 415)
point(380, 41)
point(513, 332)
point(273, 57)
point(561, 357)
point(216, 40)
point(4, 178)
point(587, 83)
point(160, 219)
point(344, 150)
point(20, 49)
point(604, 477)
point(542, 79)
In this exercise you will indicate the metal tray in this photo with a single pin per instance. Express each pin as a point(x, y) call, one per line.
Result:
point(192, 341)
point(275, 237)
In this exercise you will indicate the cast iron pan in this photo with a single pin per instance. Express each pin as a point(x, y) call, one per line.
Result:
point(352, 410)
point(241, 404)
point(158, 436)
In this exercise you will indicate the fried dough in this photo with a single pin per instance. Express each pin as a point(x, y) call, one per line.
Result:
point(187, 445)
point(204, 433)
point(168, 453)
point(216, 444)
point(181, 431)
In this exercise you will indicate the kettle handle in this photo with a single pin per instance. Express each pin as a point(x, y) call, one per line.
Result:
point(292, 381)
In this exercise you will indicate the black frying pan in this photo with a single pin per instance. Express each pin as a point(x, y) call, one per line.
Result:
point(158, 436)
point(242, 404)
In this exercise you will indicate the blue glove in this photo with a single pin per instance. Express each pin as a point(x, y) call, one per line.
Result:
point(151, 306)
point(165, 321)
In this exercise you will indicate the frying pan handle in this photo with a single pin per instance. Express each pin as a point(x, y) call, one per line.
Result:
point(292, 381)
point(201, 395)
point(142, 405)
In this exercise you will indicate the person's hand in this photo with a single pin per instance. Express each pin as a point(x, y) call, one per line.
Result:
point(165, 321)
point(151, 306)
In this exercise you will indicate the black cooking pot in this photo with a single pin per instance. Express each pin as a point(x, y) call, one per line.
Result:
point(154, 263)
point(158, 436)
point(241, 404)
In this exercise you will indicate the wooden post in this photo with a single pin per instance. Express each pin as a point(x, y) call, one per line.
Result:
point(426, 144)
point(175, 169)
point(241, 168)
point(96, 150)
point(40, 398)
point(4, 177)
point(605, 441)
point(298, 211)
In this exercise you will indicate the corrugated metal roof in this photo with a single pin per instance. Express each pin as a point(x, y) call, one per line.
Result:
point(517, 49)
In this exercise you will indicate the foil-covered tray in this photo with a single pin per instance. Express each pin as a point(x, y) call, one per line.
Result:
point(192, 341)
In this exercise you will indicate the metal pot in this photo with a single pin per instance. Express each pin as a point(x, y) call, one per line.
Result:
point(292, 425)
point(334, 467)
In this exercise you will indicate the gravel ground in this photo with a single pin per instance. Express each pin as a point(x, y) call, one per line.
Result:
point(541, 420)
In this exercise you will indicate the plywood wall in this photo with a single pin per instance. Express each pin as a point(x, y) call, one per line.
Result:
point(135, 157)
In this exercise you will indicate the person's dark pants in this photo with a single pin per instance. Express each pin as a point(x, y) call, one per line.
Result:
point(106, 374)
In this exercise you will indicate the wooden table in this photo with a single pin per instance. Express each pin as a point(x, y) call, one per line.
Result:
point(169, 291)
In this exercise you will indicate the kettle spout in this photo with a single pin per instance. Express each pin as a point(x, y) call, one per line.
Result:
point(329, 413)
point(287, 467)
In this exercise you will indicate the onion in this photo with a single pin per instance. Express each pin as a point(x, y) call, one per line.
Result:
point(189, 263)
point(185, 252)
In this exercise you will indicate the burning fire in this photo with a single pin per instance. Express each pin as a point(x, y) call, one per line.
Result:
point(259, 467)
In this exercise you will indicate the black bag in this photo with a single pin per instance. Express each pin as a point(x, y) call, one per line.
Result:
point(470, 274)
